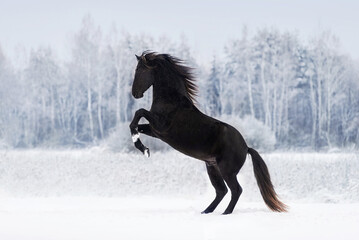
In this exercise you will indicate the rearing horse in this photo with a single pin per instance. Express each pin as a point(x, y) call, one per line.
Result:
point(175, 119)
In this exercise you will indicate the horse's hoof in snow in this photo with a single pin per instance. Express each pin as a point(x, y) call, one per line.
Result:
point(147, 152)
point(206, 212)
point(226, 213)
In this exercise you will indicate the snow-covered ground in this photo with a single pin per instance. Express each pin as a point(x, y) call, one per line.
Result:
point(170, 218)
point(98, 194)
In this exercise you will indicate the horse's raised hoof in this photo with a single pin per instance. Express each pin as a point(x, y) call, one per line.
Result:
point(147, 152)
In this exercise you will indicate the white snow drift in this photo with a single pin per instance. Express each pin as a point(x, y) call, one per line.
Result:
point(305, 177)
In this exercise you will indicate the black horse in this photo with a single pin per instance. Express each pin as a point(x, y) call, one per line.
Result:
point(175, 119)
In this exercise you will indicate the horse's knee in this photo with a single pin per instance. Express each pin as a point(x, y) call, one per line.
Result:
point(132, 126)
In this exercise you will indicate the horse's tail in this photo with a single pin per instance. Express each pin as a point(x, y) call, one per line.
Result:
point(264, 183)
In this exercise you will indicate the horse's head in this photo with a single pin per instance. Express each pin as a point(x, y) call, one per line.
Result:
point(168, 71)
point(144, 77)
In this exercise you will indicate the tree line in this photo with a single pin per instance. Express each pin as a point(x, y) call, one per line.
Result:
point(306, 94)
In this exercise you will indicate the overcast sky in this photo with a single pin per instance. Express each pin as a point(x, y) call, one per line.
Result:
point(207, 24)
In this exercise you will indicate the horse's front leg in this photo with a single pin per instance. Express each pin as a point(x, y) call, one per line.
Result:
point(135, 131)
point(146, 129)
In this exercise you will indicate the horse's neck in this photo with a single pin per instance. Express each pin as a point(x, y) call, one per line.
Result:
point(169, 89)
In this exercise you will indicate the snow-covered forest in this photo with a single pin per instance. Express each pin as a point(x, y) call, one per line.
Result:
point(275, 87)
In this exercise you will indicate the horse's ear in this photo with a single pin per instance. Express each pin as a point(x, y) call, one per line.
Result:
point(137, 57)
point(149, 63)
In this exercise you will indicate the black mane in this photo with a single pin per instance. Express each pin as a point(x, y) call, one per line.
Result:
point(177, 66)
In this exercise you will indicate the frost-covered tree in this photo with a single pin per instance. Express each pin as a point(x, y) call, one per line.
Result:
point(328, 84)
point(39, 111)
point(85, 67)
point(11, 100)
point(213, 101)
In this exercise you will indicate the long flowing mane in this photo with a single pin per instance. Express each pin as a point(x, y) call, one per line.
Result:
point(178, 68)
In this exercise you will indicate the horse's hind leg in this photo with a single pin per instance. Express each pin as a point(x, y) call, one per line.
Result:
point(236, 191)
point(218, 184)
point(229, 168)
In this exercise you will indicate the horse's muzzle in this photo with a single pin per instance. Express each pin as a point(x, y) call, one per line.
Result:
point(137, 95)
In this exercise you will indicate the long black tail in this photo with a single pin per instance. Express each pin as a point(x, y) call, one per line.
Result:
point(264, 183)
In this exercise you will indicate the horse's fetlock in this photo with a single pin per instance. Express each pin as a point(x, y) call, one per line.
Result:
point(135, 137)
point(147, 152)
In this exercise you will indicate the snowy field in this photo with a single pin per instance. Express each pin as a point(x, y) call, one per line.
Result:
point(170, 218)
point(98, 194)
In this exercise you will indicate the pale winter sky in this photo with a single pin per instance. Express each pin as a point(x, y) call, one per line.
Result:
point(207, 24)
